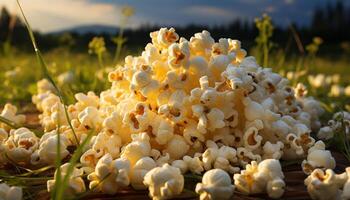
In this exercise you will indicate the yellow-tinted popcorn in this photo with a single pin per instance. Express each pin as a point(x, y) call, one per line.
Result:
point(89, 160)
point(267, 176)
point(3, 138)
point(318, 157)
point(164, 182)
point(20, 145)
point(336, 91)
point(139, 171)
point(47, 151)
point(177, 147)
point(138, 148)
point(317, 81)
point(216, 184)
point(179, 55)
point(65, 78)
point(76, 183)
point(181, 165)
point(44, 86)
point(220, 158)
point(273, 151)
point(164, 37)
point(86, 100)
point(245, 156)
point(347, 90)
point(324, 185)
point(201, 44)
point(10, 112)
point(110, 175)
point(194, 164)
point(10, 192)
point(90, 118)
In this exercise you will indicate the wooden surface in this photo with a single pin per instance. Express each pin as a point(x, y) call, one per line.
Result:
point(294, 179)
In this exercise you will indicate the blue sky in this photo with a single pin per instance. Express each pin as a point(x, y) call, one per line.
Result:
point(53, 15)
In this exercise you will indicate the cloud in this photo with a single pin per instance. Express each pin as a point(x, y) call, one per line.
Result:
point(209, 11)
point(48, 16)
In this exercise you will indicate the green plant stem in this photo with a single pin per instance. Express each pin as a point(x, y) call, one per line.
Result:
point(75, 157)
point(119, 45)
point(45, 70)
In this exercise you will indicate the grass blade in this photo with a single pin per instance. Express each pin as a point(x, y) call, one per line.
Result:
point(45, 70)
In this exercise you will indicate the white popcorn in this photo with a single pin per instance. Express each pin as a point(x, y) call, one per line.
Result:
point(317, 81)
point(90, 118)
point(177, 147)
point(265, 177)
point(181, 165)
point(20, 145)
point(323, 185)
point(318, 157)
point(10, 193)
point(106, 142)
point(346, 188)
point(179, 55)
point(110, 175)
point(139, 171)
point(10, 112)
point(347, 90)
point(194, 164)
point(164, 182)
point(76, 183)
point(273, 151)
point(47, 151)
point(251, 138)
point(220, 158)
point(201, 43)
point(164, 37)
point(245, 156)
point(89, 160)
point(86, 100)
point(66, 78)
point(44, 86)
point(334, 125)
point(216, 184)
point(138, 148)
point(336, 91)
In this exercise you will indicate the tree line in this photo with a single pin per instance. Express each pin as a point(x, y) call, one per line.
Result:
point(331, 23)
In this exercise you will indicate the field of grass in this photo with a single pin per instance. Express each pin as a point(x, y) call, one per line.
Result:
point(82, 72)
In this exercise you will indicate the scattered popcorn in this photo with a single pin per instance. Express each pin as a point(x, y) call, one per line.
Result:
point(336, 91)
point(10, 193)
point(47, 151)
point(324, 185)
point(110, 175)
point(318, 157)
point(220, 158)
point(265, 177)
point(76, 183)
point(9, 112)
point(164, 182)
point(140, 169)
point(216, 184)
point(20, 145)
point(335, 125)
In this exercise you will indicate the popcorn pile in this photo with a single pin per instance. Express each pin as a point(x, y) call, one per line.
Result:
point(196, 106)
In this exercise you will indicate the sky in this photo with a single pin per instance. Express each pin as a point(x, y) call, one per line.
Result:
point(55, 15)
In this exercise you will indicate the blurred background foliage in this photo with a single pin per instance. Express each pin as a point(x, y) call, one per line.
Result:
point(80, 62)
